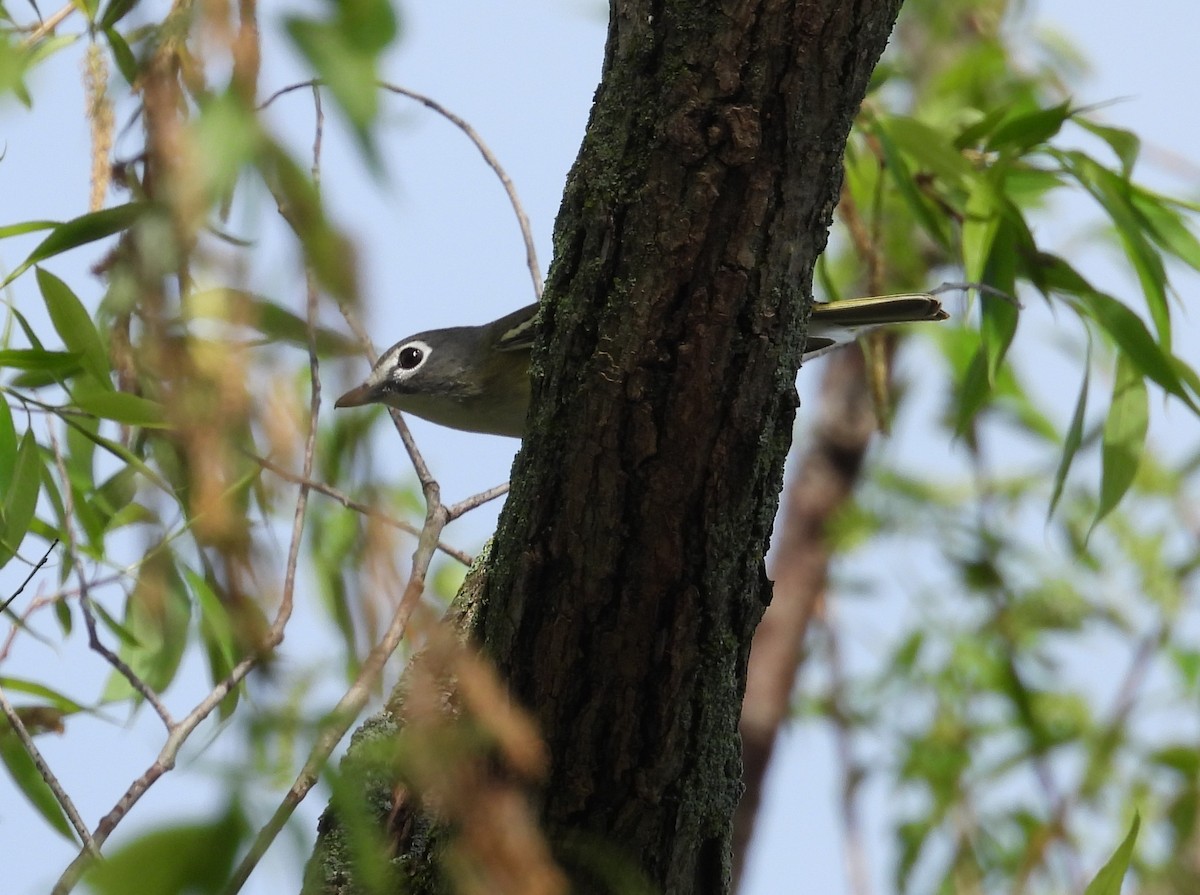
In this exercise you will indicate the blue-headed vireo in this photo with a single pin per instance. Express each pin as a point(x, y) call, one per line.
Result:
point(476, 378)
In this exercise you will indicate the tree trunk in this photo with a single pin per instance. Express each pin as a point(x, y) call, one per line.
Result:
point(627, 573)
point(628, 569)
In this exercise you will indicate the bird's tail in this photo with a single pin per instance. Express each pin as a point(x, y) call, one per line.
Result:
point(836, 323)
point(878, 310)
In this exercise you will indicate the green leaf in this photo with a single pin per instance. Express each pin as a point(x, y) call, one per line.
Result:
point(327, 250)
point(1024, 131)
point(8, 446)
point(115, 11)
point(1124, 436)
point(38, 360)
point(126, 62)
point(193, 858)
point(64, 703)
point(26, 227)
point(1108, 880)
point(157, 616)
point(972, 134)
point(932, 219)
point(1073, 438)
point(1126, 144)
point(73, 324)
point(998, 316)
point(345, 53)
point(1115, 196)
point(973, 394)
point(1128, 331)
point(981, 220)
point(80, 231)
point(217, 632)
point(1167, 228)
point(120, 407)
point(931, 149)
point(20, 502)
point(271, 319)
point(25, 775)
point(122, 453)
point(228, 138)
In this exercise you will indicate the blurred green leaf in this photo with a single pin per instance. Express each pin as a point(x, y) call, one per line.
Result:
point(931, 149)
point(15, 60)
point(228, 139)
point(24, 774)
point(115, 11)
point(157, 616)
point(120, 407)
point(120, 452)
point(194, 858)
point(126, 62)
point(1116, 197)
point(73, 325)
point(981, 221)
point(20, 501)
point(80, 231)
point(998, 316)
point(1112, 874)
point(328, 252)
point(344, 50)
point(57, 363)
point(217, 632)
point(930, 217)
point(1073, 439)
point(1023, 131)
point(8, 446)
point(1126, 329)
point(1124, 436)
point(274, 321)
point(26, 227)
point(1126, 144)
point(63, 703)
point(1166, 227)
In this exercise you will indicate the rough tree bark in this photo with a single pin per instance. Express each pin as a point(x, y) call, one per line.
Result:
point(627, 573)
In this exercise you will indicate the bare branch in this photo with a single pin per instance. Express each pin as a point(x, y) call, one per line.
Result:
point(49, 25)
point(494, 164)
point(473, 135)
point(60, 794)
point(476, 500)
point(352, 702)
point(367, 510)
point(41, 562)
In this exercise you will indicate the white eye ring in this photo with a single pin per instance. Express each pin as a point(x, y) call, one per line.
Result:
point(408, 358)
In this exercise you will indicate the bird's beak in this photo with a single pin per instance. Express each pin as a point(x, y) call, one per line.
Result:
point(356, 397)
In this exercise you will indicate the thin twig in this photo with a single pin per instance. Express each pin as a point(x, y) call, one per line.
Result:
point(41, 562)
point(476, 500)
point(473, 135)
point(494, 164)
point(85, 604)
point(179, 733)
point(352, 702)
point(366, 509)
point(60, 794)
point(49, 25)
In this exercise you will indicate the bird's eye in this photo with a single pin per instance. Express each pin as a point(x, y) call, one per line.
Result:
point(410, 358)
